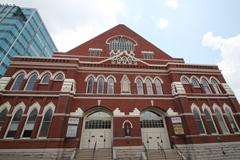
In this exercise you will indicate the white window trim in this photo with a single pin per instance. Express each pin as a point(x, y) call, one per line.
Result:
point(155, 83)
point(15, 79)
point(225, 106)
point(22, 106)
point(142, 90)
point(87, 84)
point(200, 116)
point(215, 106)
point(46, 108)
point(191, 79)
point(56, 73)
point(31, 108)
point(204, 106)
point(43, 75)
point(109, 85)
point(98, 80)
point(29, 77)
point(150, 83)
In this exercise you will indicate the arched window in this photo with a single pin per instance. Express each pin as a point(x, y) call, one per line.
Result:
point(210, 121)
point(216, 86)
point(18, 81)
point(198, 121)
point(184, 80)
point(110, 86)
point(221, 121)
point(45, 79)
point(206, 86)
point(30, 123)
point(150, 119)
point(14, 124)
point(46, 123)
point(59, 77)
point(100, 86)
point(31, 82)
point(98, 120)
point(121, 43)
point(231, 119)
point(149, 87)
point(194, 82)
point(158, 87)
point(90, 83)
point(3, 115)
point(139, 87)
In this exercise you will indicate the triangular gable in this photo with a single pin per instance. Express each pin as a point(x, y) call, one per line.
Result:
point(120, 30)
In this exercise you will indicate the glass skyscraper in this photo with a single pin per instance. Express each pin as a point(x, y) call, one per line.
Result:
point(22, 33)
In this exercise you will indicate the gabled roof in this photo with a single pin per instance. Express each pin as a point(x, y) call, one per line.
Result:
point(121, 30)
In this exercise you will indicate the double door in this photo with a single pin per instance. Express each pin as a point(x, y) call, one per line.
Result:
point(101, 138)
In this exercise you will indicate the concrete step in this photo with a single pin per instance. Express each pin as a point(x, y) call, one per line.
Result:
point(129, 154)
point(100, 154)
point(170, 154)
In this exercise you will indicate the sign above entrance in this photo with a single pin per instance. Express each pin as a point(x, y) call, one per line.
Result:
point(176, 120)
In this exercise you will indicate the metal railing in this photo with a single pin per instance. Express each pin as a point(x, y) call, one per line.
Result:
point(94, 150)
point(162, 150)
point(145, 150)
point(179, 152)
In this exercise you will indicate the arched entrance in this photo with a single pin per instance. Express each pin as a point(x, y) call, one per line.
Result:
point(97, 130)
point(154, 131)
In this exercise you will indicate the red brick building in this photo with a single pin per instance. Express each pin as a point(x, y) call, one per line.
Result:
point(117, 91)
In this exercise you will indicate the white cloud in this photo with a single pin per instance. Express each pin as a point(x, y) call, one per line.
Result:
point(73, 22)
point(163, 24)
point(230, 57)
point(173, 4)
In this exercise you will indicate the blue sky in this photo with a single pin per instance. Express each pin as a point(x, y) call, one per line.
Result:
point(201, 32)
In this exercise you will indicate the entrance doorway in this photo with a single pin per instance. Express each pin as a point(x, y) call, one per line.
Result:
point(154, 131)
point(97, 130)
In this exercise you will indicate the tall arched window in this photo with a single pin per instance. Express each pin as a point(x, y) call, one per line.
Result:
point(14, 124)
point(46, 123)
point(30, 123)
point(158, 87)
point(198, 121)
point(139, 87)
point(100, 87)
point(149, 87)
point(194, 82)
point(45, 79)
point(221, 121)
point(231, 119)
point(206, 86)
point(3, 115)
point(90, 83)
point(215, 85)
point(31, 82)
point(210, 121)
point(110, 88)
point(18, 81)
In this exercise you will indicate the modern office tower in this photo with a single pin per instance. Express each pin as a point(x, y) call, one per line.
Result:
point(117, 96)
point(22, 33)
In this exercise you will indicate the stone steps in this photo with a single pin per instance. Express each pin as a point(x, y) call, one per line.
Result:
point(100, 154)
point(171, 154)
